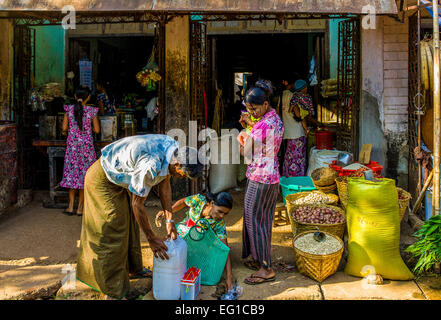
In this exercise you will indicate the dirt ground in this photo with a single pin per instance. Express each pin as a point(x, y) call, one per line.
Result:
point(37, 243)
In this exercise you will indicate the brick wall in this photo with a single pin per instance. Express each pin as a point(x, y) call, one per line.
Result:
point(395, 94)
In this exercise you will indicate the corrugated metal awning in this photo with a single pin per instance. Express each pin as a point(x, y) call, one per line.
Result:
point(388, 7)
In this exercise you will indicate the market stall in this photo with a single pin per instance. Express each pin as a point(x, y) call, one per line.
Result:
point(122, 110)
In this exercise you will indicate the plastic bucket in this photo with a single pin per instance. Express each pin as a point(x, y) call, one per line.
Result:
point(295, 184)
point(324, 140)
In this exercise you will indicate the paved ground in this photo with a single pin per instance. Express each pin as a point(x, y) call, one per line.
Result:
point(39, 248)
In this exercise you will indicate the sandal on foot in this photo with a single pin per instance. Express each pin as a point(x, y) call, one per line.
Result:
point(79, 214)
point(261, 280)
point(68, 213)
point(251, 265)
point(144, 273)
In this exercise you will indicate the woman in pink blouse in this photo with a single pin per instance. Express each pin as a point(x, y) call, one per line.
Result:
point(260, 151)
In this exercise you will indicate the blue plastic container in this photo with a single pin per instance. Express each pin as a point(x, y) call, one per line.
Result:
point(428, 205)
point(295, 184)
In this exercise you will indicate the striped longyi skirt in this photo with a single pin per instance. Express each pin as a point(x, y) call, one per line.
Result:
point(259, 206)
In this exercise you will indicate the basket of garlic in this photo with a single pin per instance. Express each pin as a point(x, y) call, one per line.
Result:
point(317, 257)
point(318, 216)
point(293, 201)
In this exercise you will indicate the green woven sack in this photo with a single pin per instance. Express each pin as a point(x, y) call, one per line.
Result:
point(206, 252)
point(374, 230)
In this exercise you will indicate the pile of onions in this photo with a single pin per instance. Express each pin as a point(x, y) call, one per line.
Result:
point(319, 215)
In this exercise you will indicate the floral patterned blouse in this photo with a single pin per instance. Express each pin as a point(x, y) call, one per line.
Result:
point(267, 135)
point(197, 203)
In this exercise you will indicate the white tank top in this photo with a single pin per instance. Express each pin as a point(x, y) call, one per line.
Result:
point(293, 128)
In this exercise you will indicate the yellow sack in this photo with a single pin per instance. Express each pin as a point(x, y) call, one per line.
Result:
point(374, 230)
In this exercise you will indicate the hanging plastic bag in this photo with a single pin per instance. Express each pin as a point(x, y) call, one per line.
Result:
point(312, 73)
point(152, 109)
point(151, 63)
point(149, 75)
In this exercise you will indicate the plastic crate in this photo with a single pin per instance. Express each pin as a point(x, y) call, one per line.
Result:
point(191, 284)
point(373, 165)
point(292, 185)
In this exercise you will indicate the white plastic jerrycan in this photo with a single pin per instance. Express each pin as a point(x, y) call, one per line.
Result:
point(167, 274)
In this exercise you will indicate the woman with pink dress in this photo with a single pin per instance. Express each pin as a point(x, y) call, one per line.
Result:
point(79, 120)
point(260, 151)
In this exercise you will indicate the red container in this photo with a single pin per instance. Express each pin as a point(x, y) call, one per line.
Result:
point(373, 165)
point(324, 140)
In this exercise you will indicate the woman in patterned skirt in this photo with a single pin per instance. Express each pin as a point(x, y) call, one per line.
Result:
point(260, 150)
point(79, 119)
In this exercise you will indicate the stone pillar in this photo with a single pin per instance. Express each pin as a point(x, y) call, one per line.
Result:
point(372, 83)
point(6, 52)
point(383, 113)
point(177, 85)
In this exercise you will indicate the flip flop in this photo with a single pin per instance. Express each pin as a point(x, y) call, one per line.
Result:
point(68, 213)
point(78, 214)
point(145, 273)
point(251, 265)
point(259, 282)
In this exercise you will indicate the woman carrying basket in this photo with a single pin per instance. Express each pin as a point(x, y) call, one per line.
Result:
point(260, 151)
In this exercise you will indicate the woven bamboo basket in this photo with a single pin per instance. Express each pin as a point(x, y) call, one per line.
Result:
point(342, 187)
point(324, 177)
point(327, 189)
point(297, 227)
point(402, 204)
point(291, 206)
point(318, 267)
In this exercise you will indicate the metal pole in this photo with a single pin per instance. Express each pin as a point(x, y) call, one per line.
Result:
point(436, 112)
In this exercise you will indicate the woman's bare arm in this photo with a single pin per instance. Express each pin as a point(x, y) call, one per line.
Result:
point(165, 195)
point(178, 205)
point(156, 244)
point(96, 125)
point(65, 124)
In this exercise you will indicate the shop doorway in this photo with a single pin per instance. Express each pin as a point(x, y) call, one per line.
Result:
point(116, 60)
point(238, 61)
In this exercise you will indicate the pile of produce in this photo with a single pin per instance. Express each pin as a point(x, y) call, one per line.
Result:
point(320, 215)
point(427, 250)
point(359, 173)
point(308, 244)
point(329, 88)
point(313, 198)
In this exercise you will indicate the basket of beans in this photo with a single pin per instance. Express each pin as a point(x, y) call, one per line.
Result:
point(320, 216)
point(317, 257)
